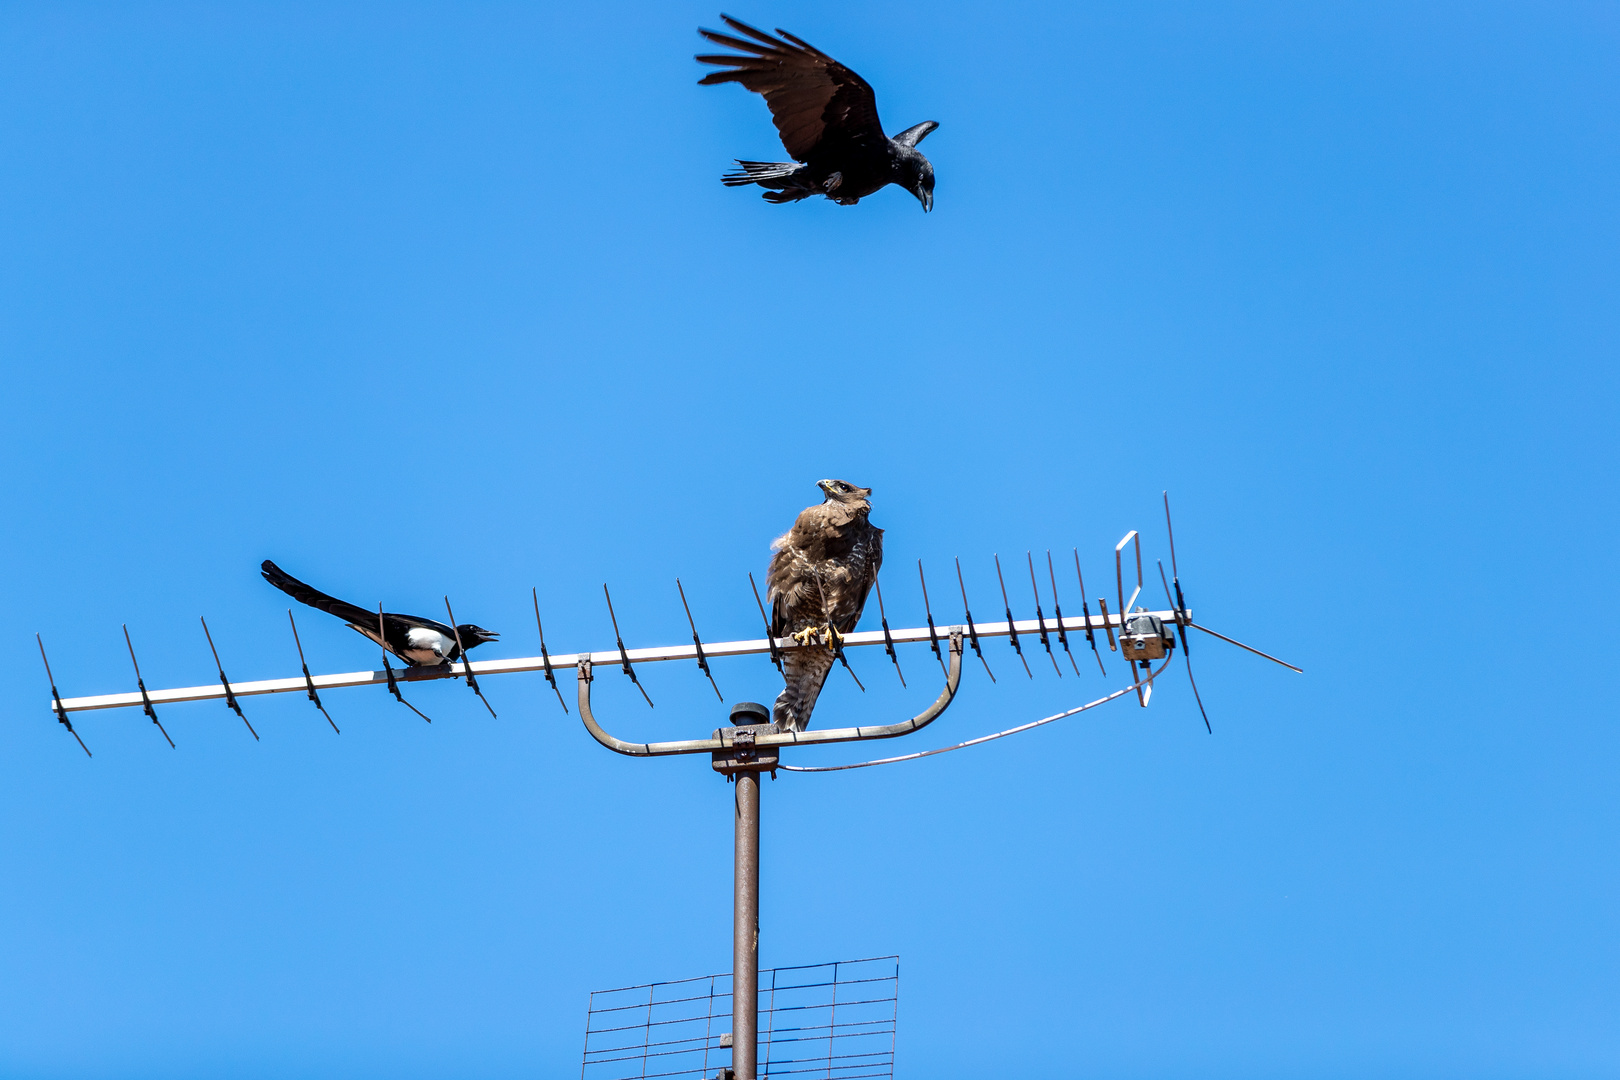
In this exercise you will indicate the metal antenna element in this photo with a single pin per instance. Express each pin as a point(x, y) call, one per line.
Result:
point(1137, 634)
point(1251, 648)
point(933, 635)
point(545, 657)
point(1184, 655)
point(1012, 629)
point(770, 639)
point(973, 634)
point(309, 683)
point(393, 683)
point(838, 651)
point(1180, 603)
point(702, 661)
point(835, 640)
point(624, 657)
point(1057, 612)
point(888, 642)
point(1085, 609)
point(466, 665)
point(56, 700)
point(146, 702)
point(1040, 619)
point(230, 698)
point(1196, 695)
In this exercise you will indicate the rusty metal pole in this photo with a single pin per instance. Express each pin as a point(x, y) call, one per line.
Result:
point(742, 760)
point(745, 930)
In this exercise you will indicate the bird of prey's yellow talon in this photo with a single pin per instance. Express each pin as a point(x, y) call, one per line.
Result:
point(818, 635)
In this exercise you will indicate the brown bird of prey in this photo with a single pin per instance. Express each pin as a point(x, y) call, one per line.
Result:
point(819, 577)
point(827, 117)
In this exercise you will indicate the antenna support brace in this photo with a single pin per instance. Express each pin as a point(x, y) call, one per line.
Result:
point(763, 740)
point(744, 754)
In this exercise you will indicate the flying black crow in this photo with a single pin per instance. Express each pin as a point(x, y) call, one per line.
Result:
point(417, 641)
point(828, 120)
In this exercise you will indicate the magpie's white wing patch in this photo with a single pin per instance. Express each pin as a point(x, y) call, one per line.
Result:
point(425, 646)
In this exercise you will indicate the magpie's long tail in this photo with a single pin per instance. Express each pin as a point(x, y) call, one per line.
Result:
point(304, 594)
point(771, 174)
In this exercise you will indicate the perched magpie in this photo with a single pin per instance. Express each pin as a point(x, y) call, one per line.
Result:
point(417, 641)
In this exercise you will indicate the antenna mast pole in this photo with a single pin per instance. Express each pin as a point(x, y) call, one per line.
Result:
point(745, 932)
point(741, 761)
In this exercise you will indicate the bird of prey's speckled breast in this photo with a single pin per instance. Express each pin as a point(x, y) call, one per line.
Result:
point(819, 577)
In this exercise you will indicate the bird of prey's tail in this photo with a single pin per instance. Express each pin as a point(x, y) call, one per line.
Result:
point(804, 671)
point(777, 175)
point(306, 594)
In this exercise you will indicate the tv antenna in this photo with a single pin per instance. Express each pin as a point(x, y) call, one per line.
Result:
point(750, 744)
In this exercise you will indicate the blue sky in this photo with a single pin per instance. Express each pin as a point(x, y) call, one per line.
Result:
point(425, 299)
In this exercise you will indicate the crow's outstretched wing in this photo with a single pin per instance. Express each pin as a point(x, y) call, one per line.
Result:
point(817, 103)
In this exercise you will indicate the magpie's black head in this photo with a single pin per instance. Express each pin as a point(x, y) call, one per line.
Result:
point(475, 635)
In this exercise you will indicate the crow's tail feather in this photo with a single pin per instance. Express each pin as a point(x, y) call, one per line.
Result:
point(772, 174)
point(305, 594)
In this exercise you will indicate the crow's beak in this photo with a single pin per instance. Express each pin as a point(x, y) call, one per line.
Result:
point(925, 197)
